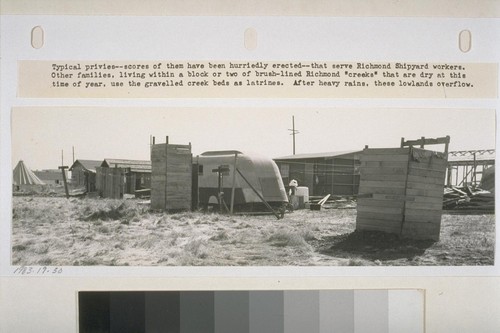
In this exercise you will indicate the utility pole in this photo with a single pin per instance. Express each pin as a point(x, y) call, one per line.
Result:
point(293, 133)
point(63, 170)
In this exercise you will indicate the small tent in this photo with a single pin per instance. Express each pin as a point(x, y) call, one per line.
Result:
point(24, 176)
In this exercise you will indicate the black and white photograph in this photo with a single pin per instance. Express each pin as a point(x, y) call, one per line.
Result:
point(253, 187)
point(262, 167)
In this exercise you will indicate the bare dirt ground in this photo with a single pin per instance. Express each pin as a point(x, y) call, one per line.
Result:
point(57, 231)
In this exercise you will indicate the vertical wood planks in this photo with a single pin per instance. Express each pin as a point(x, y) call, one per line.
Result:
point(110, 182)
point(171, 177)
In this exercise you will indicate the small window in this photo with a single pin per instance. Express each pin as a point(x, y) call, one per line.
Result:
point(200, 170)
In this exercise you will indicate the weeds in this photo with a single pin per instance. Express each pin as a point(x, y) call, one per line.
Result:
point(45, 261)
point(108, 210)
point(283, 238)
point(355, 262)
point(197, 247)
point(19, 247)
point(221, 235)
point(182, 216)
point(172, 237)
point(41, 249)
point(93, 232)
point(103, 229)
point(86, 262)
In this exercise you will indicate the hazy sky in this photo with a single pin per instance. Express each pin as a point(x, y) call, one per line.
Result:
point(39, 134)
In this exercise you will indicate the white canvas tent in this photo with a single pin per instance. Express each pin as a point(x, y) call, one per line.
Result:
point(24, 176)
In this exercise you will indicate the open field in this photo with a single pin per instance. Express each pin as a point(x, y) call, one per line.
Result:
point(58, 231)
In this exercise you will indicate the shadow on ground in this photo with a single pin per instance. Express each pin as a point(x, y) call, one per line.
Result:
point(371, 245)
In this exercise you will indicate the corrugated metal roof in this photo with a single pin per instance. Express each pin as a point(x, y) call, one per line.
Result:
point(318, 155)
point(134, 165)
point(88, 165)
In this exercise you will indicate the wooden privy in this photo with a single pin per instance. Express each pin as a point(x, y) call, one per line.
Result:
point(110, 182)
point(401, 189)
point(171, 176)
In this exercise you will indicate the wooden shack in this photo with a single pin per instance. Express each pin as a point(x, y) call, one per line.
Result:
point(83, 174)
point(401, 189)
point(50, 177)
point(171, 177)
point(335, 173)
point(111, 182)
point(115, 177)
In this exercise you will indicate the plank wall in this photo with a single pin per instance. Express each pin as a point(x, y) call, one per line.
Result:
point(400, 194)
point(171, 177)
point(109, 182)
point(382, 189)
point(425, 188)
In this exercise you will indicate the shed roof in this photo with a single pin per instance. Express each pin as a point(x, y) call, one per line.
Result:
point(318, 155)
point(88, 165)
point(134, 165)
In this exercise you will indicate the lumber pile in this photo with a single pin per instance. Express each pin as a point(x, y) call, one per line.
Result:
point(468, 200)
point(334, 202)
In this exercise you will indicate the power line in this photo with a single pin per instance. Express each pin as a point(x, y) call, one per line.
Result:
point(294, 131)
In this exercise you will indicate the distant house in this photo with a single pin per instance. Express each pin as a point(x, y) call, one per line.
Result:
point(335, 173)
point(83, 174)
point(50, 177)
point(118, 176)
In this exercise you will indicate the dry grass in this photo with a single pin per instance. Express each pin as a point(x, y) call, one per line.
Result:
point(88, 232)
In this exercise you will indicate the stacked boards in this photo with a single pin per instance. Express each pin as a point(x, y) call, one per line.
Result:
point(171, 177)
point(401, 191)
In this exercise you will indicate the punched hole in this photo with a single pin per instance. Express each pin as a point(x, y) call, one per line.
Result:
point(37, 37)
point(250, 39)
point(465, 41)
